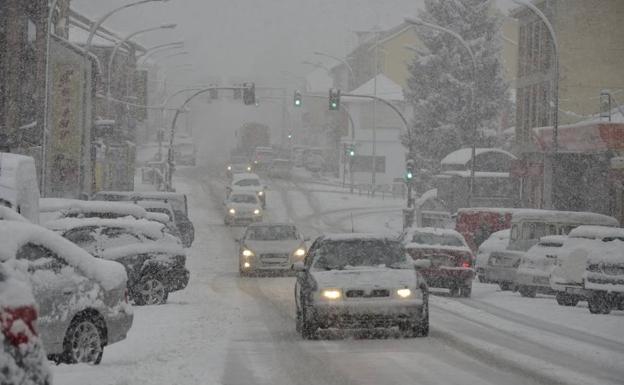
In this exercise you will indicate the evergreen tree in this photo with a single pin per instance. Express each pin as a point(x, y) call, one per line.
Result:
point(441, 78)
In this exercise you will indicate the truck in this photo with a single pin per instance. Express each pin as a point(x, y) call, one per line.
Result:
point(252, 135)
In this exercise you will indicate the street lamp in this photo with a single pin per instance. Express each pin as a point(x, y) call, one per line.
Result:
point(555, 96)
point(473, 104)
point(98, 23)
point(172, 45)
point(343, 61)
point(114, 52)
point(145, 57)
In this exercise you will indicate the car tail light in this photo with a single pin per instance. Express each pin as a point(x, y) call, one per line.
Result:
point(466, 264)
point(18, 324)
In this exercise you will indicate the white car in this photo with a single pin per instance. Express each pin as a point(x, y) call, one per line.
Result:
point(533, 274)
point(248, 182)
point(242, 207)
point(270, 247)
point(82, 300)
point(498, 241)
point(360, 281)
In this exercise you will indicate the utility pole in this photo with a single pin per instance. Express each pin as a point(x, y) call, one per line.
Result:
point(374, 173)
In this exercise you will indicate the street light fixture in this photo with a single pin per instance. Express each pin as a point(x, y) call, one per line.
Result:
point(343, 61)
point(473, 104)
point(172, 45)
point(145, 58)
point(116, 48)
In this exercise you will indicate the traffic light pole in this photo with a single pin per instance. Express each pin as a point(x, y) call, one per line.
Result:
point(170, 153)
point(409, 134)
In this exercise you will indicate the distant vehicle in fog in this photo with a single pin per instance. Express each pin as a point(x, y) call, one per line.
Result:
point(242, 207)
point(252, 135)
point(280, 168)
point(238, 165)
point(248, 182)
point(262, 158)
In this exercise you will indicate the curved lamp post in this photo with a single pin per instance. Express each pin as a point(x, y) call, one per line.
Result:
point(116, 48)
point(473, 105)
point(343, 61)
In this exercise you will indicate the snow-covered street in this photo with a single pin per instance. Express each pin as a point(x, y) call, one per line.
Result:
point(223, 329)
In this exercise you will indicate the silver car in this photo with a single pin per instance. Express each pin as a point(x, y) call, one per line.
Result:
point(270, 247)
point(82, 300)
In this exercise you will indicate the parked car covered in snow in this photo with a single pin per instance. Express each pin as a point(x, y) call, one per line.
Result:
point(452, 261)
point(498, 241)
point(359, 281)
point(57, 208)
point(533, 274)
point(527, 227)
point(154, 260)
point(242, 207)
point(178, 202)
point(154, 270)
point(6, 214)
point(589, 267)
point(22, 358)
point(82, 300)
point(19, 186)
point(273, 247)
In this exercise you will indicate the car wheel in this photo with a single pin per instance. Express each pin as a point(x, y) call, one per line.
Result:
point(151, 291)
point(599, 303)
point(466, 291)
point(505, 286)
point(564, 299)
point(454, 291)
point(83, 342)
point(528, 291)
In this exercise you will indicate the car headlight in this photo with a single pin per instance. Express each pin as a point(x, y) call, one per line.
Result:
point(257, 212)
point(247, 253)
point(248, 168)
point(260, 193)
point(229, 168)
point(300, 252)
point(404, 293)
point(232, 211)
point(331, 293)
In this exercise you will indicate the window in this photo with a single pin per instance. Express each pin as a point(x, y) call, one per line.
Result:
point(82, 237)
point(533, 230)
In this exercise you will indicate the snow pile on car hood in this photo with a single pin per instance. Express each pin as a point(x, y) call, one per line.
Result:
point(143, 248)
point(14, 235)
point(142, 226)
point(75, 206)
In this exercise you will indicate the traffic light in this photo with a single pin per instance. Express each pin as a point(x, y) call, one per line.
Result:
point(214, 93)
point(334, 99)
point(351, 150)
point(249, 94)
point(238, 93)
point(409, 170)
point(298, 101)
point(290, 135)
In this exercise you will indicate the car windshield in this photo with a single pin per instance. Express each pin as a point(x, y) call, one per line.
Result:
point(248, 182)
point(436, 239)
point(271, 233)
point(243, 198)
point(338, 255)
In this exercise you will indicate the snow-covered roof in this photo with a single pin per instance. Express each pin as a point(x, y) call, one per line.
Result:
point(143, 248)
point(14, 235)
point(463, 156)
point(574, 217)
point(386, 89)
point(8, 214)
point(143, 226)
point(597, 232)
point(75, 206)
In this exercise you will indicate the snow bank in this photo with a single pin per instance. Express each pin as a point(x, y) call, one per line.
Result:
point(14, 235)
point(9, 215)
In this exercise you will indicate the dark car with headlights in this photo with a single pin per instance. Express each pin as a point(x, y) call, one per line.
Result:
point(360, 281)
point(270, 247)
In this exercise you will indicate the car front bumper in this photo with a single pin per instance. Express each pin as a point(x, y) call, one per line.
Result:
point(118, 326)
point(383, 313)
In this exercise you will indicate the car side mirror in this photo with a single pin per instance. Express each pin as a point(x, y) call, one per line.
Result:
point(421, 264)
point(299, 266)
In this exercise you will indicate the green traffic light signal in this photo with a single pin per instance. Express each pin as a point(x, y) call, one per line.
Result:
point(334, 99)
point(298, 100)
point(351, 152)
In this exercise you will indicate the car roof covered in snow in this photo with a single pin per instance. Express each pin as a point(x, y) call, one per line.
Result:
point(75, 206)
point(158, 217)
point(609, 252)
point(356, 237)
point(575, 217)
point(143, 226)
point(14, 235)
point(154, 204)
point(434, 230)
point(597, 232)
point(552, 240)
point(8, 214)
point(464, 155)
point(169, 248)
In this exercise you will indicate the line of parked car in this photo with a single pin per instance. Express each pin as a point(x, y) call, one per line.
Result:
point(67, 284)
